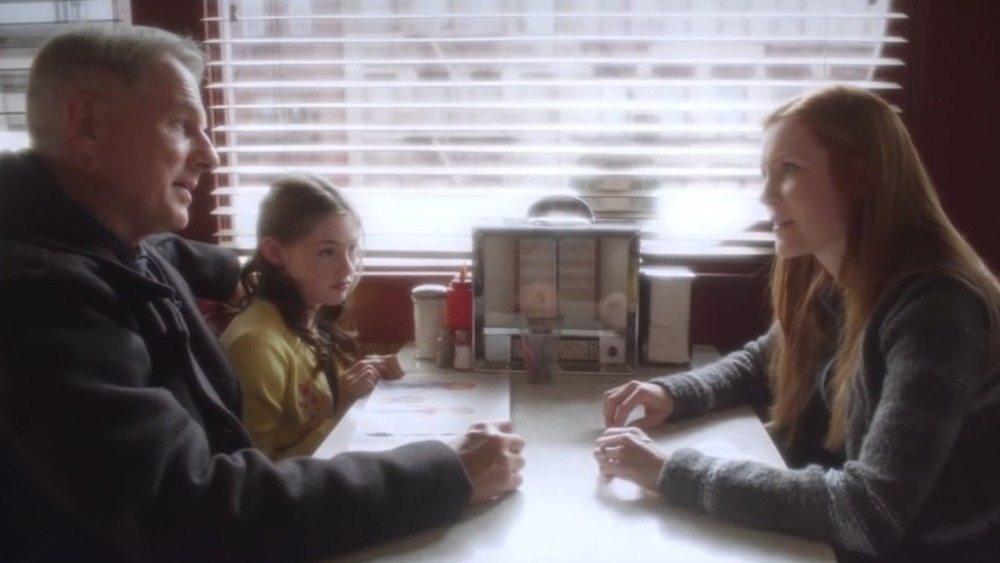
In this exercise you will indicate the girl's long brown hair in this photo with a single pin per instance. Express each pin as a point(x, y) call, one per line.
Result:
point(289, 211)
point(896, 229)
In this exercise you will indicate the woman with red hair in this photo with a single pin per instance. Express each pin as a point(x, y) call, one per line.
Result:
point(880, 370)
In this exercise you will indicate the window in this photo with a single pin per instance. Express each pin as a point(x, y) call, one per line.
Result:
point(438, 115)
point(24, 25)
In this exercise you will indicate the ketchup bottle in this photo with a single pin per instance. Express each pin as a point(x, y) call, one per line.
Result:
point(458, 302)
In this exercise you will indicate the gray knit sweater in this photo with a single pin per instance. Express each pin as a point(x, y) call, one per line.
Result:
point(921, 463)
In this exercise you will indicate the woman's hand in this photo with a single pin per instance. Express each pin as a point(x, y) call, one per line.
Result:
point(622, 400)
point(630, 454)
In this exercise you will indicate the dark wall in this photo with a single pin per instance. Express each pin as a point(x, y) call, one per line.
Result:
point(952, 107)
point(954, 112)
point(179, 16)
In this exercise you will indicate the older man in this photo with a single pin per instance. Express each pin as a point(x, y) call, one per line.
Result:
point(120, 432)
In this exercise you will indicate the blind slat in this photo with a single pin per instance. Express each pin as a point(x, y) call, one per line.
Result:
point(487, 127)
point(557, 171)
point(651, 116)
point(626, 150)
point(539, 83)
point(542, 61)
point(582, 15)
point(560, 39)
point(716, 108)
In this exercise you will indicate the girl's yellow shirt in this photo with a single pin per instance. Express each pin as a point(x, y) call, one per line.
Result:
point(287, 407)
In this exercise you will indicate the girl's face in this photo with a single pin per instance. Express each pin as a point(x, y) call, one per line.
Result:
point(324, 263)
point(807, 209)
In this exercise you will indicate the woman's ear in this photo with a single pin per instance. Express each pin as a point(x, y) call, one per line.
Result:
point(272, 251)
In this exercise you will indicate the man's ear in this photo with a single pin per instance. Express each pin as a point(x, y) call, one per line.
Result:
point(81, 121)
point(272, 251)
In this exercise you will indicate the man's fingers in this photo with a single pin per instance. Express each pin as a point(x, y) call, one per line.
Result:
point(516, 443)
point(504, 425)
point(500, 425)
point(517, 462)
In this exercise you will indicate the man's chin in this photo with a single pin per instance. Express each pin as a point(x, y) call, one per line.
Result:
point(179, 221)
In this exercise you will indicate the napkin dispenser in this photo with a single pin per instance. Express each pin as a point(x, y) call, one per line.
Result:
point(665, 313)
point(580, 281)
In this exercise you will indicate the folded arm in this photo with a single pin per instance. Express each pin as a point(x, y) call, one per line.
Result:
point(111, 451)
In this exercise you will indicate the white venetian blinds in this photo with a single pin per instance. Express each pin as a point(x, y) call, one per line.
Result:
point(437, 115)
point(24, 25)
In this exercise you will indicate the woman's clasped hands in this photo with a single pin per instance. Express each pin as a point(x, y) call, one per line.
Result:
point(624, 450)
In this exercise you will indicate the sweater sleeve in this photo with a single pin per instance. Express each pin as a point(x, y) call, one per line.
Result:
point(738, 378)
point(212, 272)
point(928, 353)
point(110, 452)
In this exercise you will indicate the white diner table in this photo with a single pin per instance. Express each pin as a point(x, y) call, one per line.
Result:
point(565, 511)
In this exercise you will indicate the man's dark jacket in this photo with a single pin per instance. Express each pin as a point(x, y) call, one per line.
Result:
point(120, 433)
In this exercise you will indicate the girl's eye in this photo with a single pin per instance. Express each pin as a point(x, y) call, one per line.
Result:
point(788, 167)
point(327, 253)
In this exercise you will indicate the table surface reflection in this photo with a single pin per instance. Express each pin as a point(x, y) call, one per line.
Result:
point(566, 512)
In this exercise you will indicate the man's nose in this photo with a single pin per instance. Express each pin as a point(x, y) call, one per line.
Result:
point(205, 157)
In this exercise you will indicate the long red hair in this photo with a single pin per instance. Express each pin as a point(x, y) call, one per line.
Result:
point(896, 229)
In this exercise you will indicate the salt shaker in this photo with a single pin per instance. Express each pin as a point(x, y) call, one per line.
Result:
point(463, 349)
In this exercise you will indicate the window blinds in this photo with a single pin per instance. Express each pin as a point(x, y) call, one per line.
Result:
point(24, 25)
point(435, 116)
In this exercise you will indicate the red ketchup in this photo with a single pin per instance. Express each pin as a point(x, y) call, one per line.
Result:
point(458, 302)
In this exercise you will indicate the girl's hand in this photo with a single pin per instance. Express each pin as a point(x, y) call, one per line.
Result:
point(622, 400)
point(358, 380)
point(388, 366)
point(630, 454)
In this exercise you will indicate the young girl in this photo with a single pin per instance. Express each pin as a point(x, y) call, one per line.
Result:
point(285, 344)
point(880, 370)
